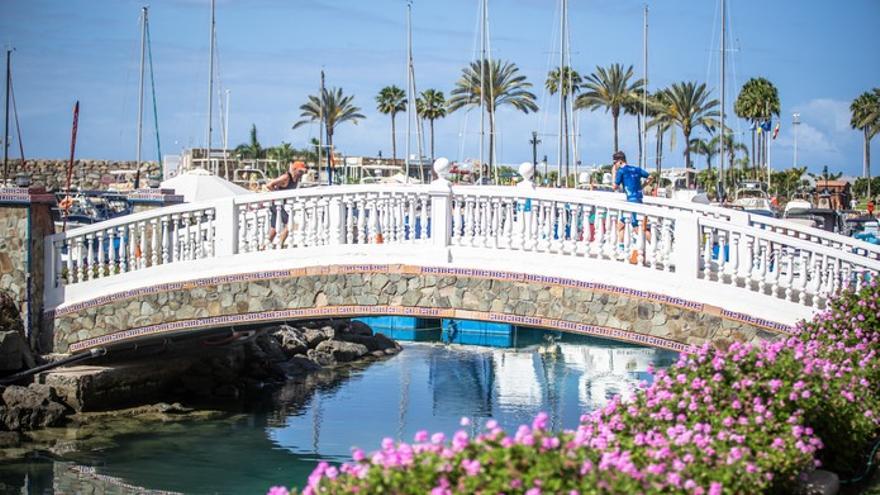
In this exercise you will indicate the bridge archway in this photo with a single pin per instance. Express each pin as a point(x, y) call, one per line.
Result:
point(569, 305)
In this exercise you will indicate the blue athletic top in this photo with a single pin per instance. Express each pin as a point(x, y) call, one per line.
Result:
point(631, 179)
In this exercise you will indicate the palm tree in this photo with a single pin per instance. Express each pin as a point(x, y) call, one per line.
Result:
point(658, 104)
point(252, 149)
point(503, 85)
point(702, 147)
point(757, 102)
point(609, 88)
point(283, 154)
point(866, 118)
point(569, 81)
point(431, 105)
point(731, 146)
point(335, 108)
point(390, 101)
point(689, 107)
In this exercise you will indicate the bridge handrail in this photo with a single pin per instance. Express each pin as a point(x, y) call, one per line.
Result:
point(778, 225)
point(690, 241)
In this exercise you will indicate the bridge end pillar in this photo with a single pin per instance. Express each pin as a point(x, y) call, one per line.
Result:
point(441, 213)
point(25, 220)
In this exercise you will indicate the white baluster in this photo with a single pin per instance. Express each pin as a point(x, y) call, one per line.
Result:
point(212, 233)
point(89, 262)
point(411, 219)
point(124, 242)
point(469, 220)
point(154, 241)
point(112, 269)
point(507, 239)
point(598, 234)
point(708, 243)
point(132, 247)
point(362, 221)
point(80, 274)
point(610, 233)
point(803, 275)
point(166, 245)
point(101, 258)
point(668, 247)
point(732, 266)
point(60, 279)
point(350, 235)
point(425, 209)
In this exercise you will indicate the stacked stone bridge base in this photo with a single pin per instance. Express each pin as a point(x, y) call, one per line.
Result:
point(569, 305)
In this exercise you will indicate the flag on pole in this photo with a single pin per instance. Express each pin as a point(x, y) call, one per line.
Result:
point(776, 131)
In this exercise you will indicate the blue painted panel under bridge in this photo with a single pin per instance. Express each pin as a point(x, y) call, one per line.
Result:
point(406, 328)
point(479, 333)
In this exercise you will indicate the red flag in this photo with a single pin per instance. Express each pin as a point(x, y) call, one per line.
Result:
point(776, 131)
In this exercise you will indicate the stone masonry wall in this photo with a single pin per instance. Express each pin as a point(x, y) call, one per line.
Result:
point(13, 232)
point(13, 259)
point(202, 305)
point(87, 174)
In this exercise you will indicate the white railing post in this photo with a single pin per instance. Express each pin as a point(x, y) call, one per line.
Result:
point(686, 248)
point(441, 214)
point(226, 234)
point(337, 228)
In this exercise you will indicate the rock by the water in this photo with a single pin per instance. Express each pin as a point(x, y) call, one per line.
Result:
point(359, 328)
point(32, 407)
point(291, 340)
point(14, 352)
point(314, 336)
point(341, 351)
point(819, 482)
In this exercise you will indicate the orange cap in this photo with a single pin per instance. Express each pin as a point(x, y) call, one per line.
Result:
point(299, 165)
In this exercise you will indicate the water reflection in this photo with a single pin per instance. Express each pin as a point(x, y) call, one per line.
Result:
point(428, 386)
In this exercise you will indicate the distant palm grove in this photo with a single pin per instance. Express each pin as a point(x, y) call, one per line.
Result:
point(686, 110)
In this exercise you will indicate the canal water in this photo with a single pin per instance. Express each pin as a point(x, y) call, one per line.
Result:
point(279, 440)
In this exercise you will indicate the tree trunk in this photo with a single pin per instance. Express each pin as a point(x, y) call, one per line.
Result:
point(868, 160)
point(393, 141)
point(329, 155)
point(687, 157)
point(614, 116)
point(431, 124)
point(491, 145)
point(566, 139)
point(753, 149)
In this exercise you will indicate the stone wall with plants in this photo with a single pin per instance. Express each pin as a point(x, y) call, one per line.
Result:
point(745, 419)
point(87, 174)
point(209, 303)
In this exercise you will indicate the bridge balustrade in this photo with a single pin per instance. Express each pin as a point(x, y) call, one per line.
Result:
point(691, 242)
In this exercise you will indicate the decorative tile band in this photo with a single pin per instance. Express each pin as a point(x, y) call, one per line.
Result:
point(419, 270)
point(350, 311)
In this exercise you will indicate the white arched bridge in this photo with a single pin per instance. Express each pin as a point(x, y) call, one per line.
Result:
point(683, 274)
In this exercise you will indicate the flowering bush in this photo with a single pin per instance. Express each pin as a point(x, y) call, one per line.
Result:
point(745, 419)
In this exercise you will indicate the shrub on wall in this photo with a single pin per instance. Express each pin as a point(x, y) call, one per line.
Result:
point(746, 419)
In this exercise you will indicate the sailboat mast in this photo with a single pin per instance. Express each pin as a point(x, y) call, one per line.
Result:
point(414, 96)
point(320, 128)
point(482, 85)
point(140, 121)
point(6, 127)
point(409, 95)
point(644, 157)
point(723, 57)
point(210, 84)
point(561, 90)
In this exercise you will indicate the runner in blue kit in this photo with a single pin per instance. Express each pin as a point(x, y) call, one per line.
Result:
point(631, 179)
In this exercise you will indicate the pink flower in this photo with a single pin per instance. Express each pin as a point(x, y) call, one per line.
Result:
point(277, 490)
point(715, 488)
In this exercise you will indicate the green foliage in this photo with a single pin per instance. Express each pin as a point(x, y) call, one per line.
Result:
point(610, 88)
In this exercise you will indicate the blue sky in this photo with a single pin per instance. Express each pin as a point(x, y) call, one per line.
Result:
point(270, 54)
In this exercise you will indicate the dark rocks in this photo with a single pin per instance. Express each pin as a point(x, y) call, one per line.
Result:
point(314, 336)
point(291, 340)
point(818, 482)
point(32, 407)
point(341, 351)
point(15, 353)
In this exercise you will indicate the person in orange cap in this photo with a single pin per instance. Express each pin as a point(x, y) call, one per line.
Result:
point(288, 180)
